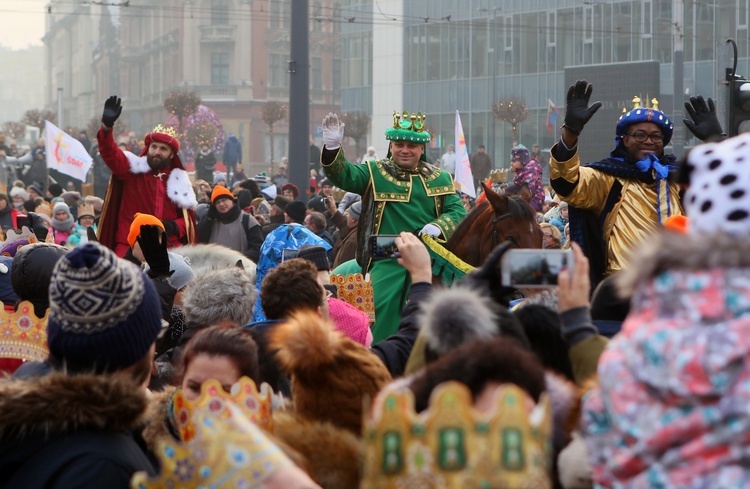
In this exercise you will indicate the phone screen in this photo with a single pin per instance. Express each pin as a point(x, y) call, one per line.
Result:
point(288, 254)
point(534, 269)
point(383, 246)
point(22, 221)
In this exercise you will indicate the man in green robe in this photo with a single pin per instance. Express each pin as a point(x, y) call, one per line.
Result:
point(399, 193)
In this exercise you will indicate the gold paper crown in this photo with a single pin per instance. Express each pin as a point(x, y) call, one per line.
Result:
point(413, 122)
point(169, 131)
point(213, 399)
point(85, 210)
point(4, 189)
point(637, 104)
point(451, 445)
point(230, 452)
point(499, 176)
point(44, 208)
point(355, 291)
point(23, 335)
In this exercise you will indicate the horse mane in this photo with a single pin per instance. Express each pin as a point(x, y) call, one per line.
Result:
point(517, 207)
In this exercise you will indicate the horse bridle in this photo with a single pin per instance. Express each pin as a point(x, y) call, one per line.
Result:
point(496, 220)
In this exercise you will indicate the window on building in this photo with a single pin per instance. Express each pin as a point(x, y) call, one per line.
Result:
point(316, 18)
point(278, 67)
point(219, 12)
point(219, 68)
point(742, 9)
point(316, 73)
point(279, 14)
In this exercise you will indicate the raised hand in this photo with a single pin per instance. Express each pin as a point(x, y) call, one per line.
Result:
point(577, 110)
point(705, 124)
point(333, 131)
point(154, 247)
point(112, 110)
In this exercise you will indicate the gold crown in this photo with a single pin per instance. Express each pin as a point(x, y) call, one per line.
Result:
point(413, 122)
point(355, 291)
point(23, 335)
point(3, 189)
point(637, 104)
point(213, 399)
point(451, 445)
point(44, 208)
point(12, 237)
point(231, 452)
point(169, 131)
point(86, 209)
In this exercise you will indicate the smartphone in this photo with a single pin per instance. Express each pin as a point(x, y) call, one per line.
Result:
point(288, 254)
point(22, 221)
point(383, 246)
point(534, 269)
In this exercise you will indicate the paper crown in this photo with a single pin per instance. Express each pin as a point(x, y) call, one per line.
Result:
point(230, 452)
point(645, 114)
point(4, 190)
point(86, 210)
point(408, 128)
point(451, 445)
point(356, 291)
point(44, 208)
point(23, 335)
point(169, 131)
point(213, 399)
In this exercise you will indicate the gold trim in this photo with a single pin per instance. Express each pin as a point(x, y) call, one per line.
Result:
point(439, 249)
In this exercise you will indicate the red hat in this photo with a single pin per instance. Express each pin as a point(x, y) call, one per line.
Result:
point(292, 187)
point(165, 135)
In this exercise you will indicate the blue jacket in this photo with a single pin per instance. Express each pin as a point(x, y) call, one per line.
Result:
point(232, 150)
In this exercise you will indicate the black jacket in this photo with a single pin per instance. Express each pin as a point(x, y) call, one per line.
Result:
point(65, 431)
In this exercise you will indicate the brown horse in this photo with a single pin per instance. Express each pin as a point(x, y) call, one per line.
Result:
point(500, 218)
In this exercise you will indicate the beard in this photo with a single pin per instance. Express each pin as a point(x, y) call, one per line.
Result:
point(156, 163)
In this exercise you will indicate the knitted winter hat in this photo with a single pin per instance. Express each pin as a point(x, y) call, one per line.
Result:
point(36, 187)
point(262, 180)
point(317, 204)
point(355, 210)
point(104, 312)
point(296, 211)
point(219, 177)
point(291, 187)
point(315, 254)
point(60, 206)
point(56, 189)
point(220, 191)
point(19, 192)
point(142, 220)
point(281, 202)
point(331, 375)
point(718, 198)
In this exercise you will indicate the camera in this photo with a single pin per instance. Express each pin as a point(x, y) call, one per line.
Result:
point(288, 254)
point(534, 269)
point(383, 246)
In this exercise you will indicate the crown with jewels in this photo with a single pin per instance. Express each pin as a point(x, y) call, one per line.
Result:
point(408, 128)
point(451, 445)
point(44, 208)
point(355, 290)
point(4, 189)
point(230, 452)
point(169, 131)
point(23, 335)
point(213, 399)
point(640, 113)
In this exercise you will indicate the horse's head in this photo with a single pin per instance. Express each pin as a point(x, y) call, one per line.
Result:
point(500, 218)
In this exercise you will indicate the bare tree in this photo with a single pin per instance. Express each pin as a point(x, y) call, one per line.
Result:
point(95, 124)
point(273, 112)
point(512, 110)
point(15, 130)
point(357, 126)
point(181, 104)
point(36, 118)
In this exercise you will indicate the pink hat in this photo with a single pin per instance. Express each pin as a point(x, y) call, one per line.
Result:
point(350, 321)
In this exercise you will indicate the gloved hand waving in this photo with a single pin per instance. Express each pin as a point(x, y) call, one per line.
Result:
point(112, 110)
point(577, 110)
point(333, 131)
point(704, 124)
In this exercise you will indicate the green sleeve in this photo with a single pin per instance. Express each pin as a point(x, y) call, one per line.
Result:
point(348, 176)
point(452, 214)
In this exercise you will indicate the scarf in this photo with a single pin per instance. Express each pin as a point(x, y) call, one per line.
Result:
point(230, 216)
point(65, 225)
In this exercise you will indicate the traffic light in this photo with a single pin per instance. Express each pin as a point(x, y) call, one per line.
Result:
point(739, 105)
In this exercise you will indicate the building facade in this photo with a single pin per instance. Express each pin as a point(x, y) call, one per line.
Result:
point(463, 55)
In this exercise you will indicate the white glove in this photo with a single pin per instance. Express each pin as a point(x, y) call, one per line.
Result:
point(431, 230)
point(333, 131)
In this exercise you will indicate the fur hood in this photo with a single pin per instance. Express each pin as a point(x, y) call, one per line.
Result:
point(158, 424)
point(60, 403)
point(667, 251)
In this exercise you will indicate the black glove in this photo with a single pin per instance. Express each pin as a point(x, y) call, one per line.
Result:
point(704, 124)
point(577, 110)
point(488, 277)
point(36, 224)
point(91, 235)
point(154, 251)
point(172, 228)
point(112, 110)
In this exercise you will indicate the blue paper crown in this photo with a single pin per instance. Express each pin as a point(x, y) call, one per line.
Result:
point(645, 114)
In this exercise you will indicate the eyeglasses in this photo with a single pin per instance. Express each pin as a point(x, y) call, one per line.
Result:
point(546, 235)
point(642, 137)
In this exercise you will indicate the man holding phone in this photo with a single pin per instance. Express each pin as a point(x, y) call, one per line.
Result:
point(401, 192)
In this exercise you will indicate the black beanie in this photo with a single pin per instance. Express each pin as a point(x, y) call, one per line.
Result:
point(317, 255)
point(56, 189)
point(296, 211)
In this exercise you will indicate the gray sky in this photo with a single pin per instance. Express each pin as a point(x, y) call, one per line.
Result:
point(22, 23)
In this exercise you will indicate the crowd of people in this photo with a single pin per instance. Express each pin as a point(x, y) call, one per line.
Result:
point(213, 331)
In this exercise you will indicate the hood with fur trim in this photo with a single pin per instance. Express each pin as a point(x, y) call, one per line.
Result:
point(59, 403)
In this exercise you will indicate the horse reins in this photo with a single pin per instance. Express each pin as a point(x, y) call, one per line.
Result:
point(494, 228)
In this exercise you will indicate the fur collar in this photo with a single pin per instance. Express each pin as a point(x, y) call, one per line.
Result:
point(179, 188)
point(62, 403)
point(158, 424)
point(677, 252)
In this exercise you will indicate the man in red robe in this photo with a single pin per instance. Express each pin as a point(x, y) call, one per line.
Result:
point(154, 182)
